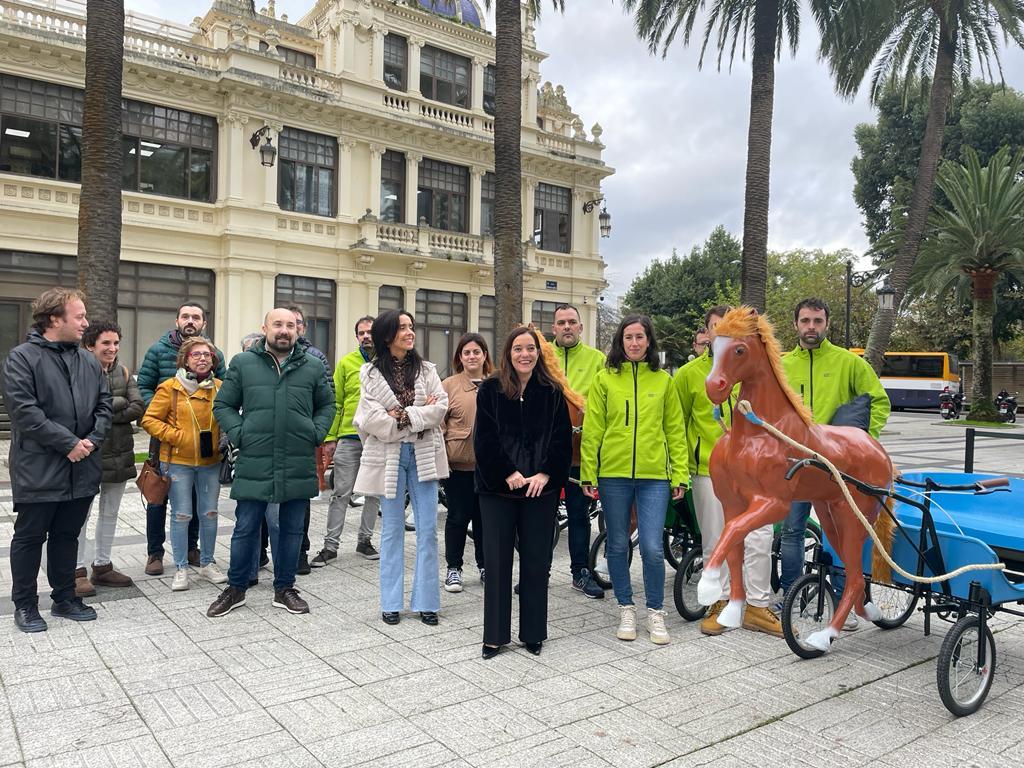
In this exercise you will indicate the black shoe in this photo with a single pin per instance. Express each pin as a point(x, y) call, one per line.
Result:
point(253, 582)
point(429, 618)
point(533, 648)
point(73, 609)
point(193, 557)
point(490, 651)
point(303, 569)
point(289, 600)
point(586, 584)
point(323, 557)
point(515, 589)
point(226, 602)
point(391, 617)
point(264, 559)
point(28, 619)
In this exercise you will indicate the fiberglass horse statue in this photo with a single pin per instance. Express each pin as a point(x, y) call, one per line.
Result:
point(748, 469)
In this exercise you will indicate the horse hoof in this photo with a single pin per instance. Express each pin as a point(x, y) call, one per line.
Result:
point(709, 588)
point(871, 612)
point(822, 639)
point(732, 615)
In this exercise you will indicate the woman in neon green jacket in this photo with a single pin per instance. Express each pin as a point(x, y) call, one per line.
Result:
point(634, 451)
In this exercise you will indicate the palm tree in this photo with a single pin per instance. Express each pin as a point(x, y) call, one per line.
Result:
point(99, 209)
point(729, 22)
point(899, 41)
point(969, 245)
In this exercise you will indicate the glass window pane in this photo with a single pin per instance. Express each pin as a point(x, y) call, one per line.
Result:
point(162, 168)
point(70, 153)
point(28, 146)
point(390, 201)
point(130, 163)
point(286, 185)
point(424, 206)
point(325, 191)
point(426, 85)
point(199, 175)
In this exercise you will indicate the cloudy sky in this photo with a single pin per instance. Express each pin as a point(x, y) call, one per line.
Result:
point(676, 135)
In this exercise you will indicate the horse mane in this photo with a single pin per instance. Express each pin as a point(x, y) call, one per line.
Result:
point(745, 321)
point(573, 397)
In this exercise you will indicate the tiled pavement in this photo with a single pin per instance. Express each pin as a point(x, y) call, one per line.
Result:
point(154, 682)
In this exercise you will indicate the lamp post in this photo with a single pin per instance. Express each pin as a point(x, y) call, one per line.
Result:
point(886, 293)
point(267, 152)
point(604, 218)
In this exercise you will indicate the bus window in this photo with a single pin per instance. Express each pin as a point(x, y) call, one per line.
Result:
point(913, 366)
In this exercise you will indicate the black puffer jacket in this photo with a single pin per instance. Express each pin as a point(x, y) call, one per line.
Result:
point(530, 434)
point(56, 394)
point(119, 447)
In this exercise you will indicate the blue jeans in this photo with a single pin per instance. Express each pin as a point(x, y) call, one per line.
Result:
point(791, 549)
point(426, 584)
point(204, 481)
point(577, 508)
point(651, 496)
point(285, 540)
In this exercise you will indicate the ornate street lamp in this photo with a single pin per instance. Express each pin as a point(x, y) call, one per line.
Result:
point(267, 152)
point(604, 218)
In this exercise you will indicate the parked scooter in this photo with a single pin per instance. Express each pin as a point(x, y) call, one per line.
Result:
point(1006, 406)
point(951, 405)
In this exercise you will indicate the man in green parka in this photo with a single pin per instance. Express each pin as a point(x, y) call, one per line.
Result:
point(276, 406)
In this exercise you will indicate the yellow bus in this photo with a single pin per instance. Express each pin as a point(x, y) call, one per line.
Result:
point(916, 379)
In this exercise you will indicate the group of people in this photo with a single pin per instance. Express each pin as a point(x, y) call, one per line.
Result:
point(505, 437)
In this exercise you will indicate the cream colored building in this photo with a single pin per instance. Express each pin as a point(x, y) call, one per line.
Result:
point(379, 111)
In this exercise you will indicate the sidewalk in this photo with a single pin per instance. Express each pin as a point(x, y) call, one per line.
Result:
point(154, 682)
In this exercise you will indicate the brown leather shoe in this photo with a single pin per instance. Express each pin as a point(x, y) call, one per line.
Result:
point(155, 565)
point(83, 587)
point(193, 557)
point(106, 576)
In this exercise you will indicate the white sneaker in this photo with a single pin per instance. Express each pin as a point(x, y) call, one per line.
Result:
point(851, 624)
point(627, 623)
point(453, 580)
point(213, 574)
point(180, 583)
point(656, 626)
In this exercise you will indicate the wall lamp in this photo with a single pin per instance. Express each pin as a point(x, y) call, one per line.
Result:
point(604, 217)
point(267, 151)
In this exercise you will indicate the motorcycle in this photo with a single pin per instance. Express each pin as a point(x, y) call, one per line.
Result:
point(1006, 406)
point(951, 405)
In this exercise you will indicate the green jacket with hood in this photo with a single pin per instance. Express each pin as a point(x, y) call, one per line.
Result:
point(829, 376)
point(702, 431)
point(581, 364)
point(633, 427)
point(346, 395)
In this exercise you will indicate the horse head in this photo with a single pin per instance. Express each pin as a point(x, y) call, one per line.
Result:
point(737, 351)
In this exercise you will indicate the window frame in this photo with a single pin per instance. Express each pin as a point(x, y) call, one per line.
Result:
point(437, 60)
point(294, 153)
point(392, 160)
point(391, 47)
point(441, 201)
point(489, 88)
point(543, 209)
point(318, 298)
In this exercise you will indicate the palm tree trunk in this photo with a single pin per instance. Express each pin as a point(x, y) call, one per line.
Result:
point(754, 270)
point(508, 216)
point(924, 186)
point(99, 210)
point(982, 406)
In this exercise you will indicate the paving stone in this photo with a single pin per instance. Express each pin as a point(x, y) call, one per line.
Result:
point(319, 718)
point(541, 750)
point(85, 726)
point(370, 745)
point(423, 691)
point(193, 703)
point(471, 726)
point(142, 751)
point(277, 684)
point(10, 748)
point(380, 662)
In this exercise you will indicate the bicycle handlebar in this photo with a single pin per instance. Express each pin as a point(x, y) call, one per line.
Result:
point(979, 487)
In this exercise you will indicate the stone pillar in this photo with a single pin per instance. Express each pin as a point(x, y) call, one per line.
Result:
point(377, 55)
point(477, 100)
point(529, 190)
point(269, 281)
point(270, 174)
point(231, 323)
point(345, 206)
point(412, 178)
point(412, 75)
point(233, 136)
point(530, 100)
point(579, 233)
point(373, 204)
point(476, 176)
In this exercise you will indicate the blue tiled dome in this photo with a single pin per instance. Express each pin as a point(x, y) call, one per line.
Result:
point(470, 13)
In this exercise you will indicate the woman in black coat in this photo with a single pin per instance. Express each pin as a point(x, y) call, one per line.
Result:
point(523, 445)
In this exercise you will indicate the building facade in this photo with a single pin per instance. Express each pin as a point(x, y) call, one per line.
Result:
point(380, 195)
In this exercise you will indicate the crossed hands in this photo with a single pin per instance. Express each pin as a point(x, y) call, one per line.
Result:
point(396, 412)
point(81, 450)
point(534, 484)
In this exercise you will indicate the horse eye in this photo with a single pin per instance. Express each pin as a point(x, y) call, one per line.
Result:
point(740, 351)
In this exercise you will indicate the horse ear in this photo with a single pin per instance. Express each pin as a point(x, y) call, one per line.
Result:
point(753, 312)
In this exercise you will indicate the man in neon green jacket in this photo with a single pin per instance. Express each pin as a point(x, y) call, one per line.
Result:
point(702, 432)
point(826, 377)
point(581, 363)
point(343, 443)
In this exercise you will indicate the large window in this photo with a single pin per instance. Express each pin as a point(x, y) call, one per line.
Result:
point(441, 318)
point(543, 317)
point(444, 76)
point(396, 61)
point(489, 89)
point(487, 204)
point(390, 297)
point(488, 316)
point(552, 217)
point(392, 186)
point(292, 56)
point(305, 177)
point(316, 297)
point(442, 195)
point(39, 129)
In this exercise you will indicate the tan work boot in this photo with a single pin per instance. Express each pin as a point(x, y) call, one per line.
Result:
point(155, 565)
point(83, 587)
point(761, 619)
point(710, 625)
point(105, 575)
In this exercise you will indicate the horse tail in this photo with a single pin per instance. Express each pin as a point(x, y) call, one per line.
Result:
point(885, 527)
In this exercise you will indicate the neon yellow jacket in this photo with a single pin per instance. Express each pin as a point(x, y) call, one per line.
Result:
point(633, 427)
point(581, 364)
point(829, 376)
point(702, 431)
point(346, 395)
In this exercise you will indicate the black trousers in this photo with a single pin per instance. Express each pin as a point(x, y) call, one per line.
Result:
point(463, 509)
point(57, 523)
point(533, 521)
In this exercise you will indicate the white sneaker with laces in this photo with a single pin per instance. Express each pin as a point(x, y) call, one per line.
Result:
point(851, 624)
point(627, 623)
point(656, 626)
point(213, 574)
point(453, 580)
point(180, 583)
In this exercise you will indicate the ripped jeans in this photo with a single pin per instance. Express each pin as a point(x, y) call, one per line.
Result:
point(207, 488)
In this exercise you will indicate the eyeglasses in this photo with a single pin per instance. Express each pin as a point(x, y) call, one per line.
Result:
point(200, 355)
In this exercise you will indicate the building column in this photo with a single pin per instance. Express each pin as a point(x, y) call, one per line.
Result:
point(231, 163)
point(473, 317)
point(269, 282)
point(412, 178)
point(476, 177)
point(346, 61)
point(477, 98)
point(231, 323)
point(529, 190)
point(270, 174)
point(345, 207)
point(579, 234)
point(377, 55)
point(412, 75)
point(530, 100)
point(373, 203)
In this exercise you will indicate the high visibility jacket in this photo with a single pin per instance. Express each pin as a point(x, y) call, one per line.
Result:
point(581, 364)
point(702, 431)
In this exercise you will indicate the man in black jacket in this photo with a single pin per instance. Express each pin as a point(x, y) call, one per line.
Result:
point(60, 410)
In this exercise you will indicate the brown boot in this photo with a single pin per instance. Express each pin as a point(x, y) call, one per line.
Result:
point(155, 565)
point(83, 587)
point(106, 576)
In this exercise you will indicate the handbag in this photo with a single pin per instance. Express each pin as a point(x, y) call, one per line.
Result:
point(152, 482)
point(227, 464)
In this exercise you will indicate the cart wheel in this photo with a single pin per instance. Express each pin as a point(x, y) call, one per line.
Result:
point(812, 537)
point(896, 604)
point(805, 610)
point(598, 562)
point(962, 685)
point(675, 546)
point(684, 586)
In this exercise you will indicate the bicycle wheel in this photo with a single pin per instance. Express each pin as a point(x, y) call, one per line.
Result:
point(963, 685)
point(897, 605)
point(598, 562)
point(812, 537)
point(684, 586)
point(806, 609)
point(675, 543)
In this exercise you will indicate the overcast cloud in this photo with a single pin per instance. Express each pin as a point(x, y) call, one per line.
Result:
point(676, 135)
